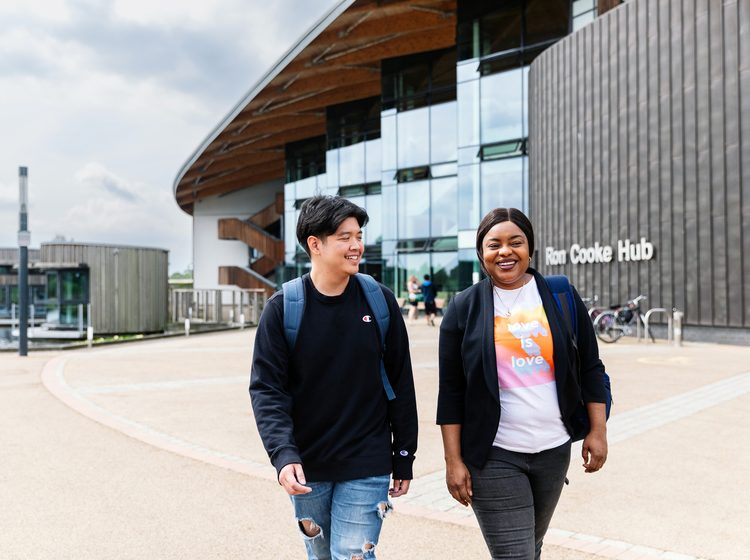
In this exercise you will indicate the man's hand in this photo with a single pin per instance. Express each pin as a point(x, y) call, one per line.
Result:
point(400, 487)
point(292, 478)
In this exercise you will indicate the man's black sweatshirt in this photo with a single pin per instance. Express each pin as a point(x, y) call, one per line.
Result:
point(322, 404)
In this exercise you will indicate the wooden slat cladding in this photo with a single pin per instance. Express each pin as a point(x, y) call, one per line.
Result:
point(232, 228)
point(341, 64)
point(640, 128)
point(128, 286)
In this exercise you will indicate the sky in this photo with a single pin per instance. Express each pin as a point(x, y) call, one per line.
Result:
point(105, 100)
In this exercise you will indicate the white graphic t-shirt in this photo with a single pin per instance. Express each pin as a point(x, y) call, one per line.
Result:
point(530, 419)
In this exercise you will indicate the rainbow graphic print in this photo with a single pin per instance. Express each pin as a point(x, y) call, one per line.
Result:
point(523, 348)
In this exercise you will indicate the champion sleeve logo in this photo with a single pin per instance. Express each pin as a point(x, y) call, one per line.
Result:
point(367, 319)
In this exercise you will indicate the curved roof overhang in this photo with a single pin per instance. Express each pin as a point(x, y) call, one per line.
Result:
point(337, 61)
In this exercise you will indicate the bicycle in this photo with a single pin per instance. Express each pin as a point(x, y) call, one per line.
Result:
point(591, 308)
point(611, 324)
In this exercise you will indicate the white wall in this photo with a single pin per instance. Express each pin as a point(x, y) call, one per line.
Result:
point(210, 252)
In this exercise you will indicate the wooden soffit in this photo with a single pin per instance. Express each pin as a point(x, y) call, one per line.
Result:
point(337, 61)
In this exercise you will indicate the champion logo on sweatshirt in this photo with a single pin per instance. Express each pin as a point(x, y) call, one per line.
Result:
point(367, 319)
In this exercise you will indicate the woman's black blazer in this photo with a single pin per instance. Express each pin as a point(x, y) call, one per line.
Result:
point(469, 392)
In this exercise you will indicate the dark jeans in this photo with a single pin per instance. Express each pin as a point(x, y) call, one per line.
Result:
point(515, 495)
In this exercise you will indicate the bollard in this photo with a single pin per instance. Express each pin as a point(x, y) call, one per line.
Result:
point(90, 335)
point(187, 327)
point(677, 325)
point(242, 320)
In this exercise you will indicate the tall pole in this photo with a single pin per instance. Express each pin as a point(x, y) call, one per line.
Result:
point(24, 238)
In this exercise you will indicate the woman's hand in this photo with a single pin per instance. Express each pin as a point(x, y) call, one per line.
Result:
point(458, 480)
point(594, 450)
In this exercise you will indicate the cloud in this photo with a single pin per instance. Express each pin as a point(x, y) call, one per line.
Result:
point(96, 176)
point(104, 100)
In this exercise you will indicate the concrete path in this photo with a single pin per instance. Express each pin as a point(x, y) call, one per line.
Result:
point(149, 450)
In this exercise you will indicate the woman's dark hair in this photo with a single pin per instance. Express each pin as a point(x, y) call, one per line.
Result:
point(320, 216)
point(499, 215)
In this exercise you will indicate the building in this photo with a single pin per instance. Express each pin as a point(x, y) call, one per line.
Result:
point(640, 160)
point(125, 288)
point(431, 113)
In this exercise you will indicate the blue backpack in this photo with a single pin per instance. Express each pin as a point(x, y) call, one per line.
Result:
point(294, 307)
point(563, 294)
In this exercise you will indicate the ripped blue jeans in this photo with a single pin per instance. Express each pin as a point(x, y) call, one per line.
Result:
point(342, 520)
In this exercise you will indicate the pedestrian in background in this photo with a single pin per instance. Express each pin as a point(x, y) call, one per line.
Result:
point(323, 415)
point(414, 294)
point(505, 346)
point(428, 296)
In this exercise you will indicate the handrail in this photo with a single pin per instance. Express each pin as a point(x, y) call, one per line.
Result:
point(647, 318)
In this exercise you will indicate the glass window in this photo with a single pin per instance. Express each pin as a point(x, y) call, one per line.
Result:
point(501, 31)
point(290, 227)
point(390, 218)
point(374, 227)
point(445, 273)
point(444, 169)
point(468, 113)
point(332, 167)
point(352, 164)
point(305, 158)
point(443, 132)
point(468, 196)
point(373, 152)
point(413, 138)
point(353, 122)
point(581, 6)
point(583, 19)
point(546, 20)
point(502, 184)
point(413, 209)
point(52, 285)
point(389, 141)
point(307, 188)
point(414, 81)
point(444, 206)
point(502, 102)
point(74, 286)
point(417, 264)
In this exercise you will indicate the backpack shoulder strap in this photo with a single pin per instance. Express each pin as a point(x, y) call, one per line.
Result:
point(294, 306)
point(379, 307)
point(376, 301)
point(562, 291)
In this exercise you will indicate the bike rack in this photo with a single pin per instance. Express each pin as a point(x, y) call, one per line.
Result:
point(647, 318)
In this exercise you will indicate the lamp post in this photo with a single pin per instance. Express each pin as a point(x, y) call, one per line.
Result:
point(24, 238)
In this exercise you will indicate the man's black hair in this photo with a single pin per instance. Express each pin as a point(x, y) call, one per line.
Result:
point(321, 216)
point(426, 276)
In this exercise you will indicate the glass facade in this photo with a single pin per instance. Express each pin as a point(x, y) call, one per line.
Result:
point(444, 143)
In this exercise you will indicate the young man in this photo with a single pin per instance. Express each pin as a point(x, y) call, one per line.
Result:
point(321, 408)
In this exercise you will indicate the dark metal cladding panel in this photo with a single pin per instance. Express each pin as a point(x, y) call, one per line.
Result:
point(732, 155)
point(664, 146)
point(744, 104)
point(718, 147)
point(674, 208)
point(647, 277)
point(704, 257)
point(645, 121)
point(692, 186)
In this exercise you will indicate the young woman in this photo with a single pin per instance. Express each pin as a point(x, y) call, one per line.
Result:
point(413, 289)
point(509, 385)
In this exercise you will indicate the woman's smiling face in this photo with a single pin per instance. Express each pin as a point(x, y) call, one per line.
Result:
point(505, 253)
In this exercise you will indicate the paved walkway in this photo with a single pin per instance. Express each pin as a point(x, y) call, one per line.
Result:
point(674, 486)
